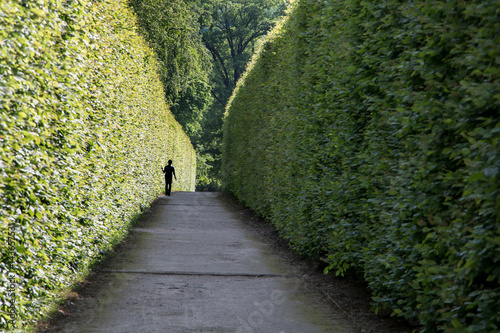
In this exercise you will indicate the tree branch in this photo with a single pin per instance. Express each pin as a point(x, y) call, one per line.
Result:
point(218, 58)
point(251, 38)
point(217, 98)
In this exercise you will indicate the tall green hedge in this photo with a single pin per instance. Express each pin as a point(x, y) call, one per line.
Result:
point(368, 133)
point(84, 132)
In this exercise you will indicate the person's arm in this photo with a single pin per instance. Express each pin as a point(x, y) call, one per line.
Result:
point(173, 171)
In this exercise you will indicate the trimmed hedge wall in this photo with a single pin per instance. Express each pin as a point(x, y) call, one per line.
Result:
point(368, 133)
point(84, 133)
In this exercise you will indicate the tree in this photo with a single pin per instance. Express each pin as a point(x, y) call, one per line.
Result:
point(230, 30)
point(230, 33)
point(173, 31)
point(203, 47)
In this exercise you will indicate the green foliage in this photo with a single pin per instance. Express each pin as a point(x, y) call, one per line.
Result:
point(84, 133)
point(230, 31)
point(172, 29)
point(202, 47)
point(367, 132)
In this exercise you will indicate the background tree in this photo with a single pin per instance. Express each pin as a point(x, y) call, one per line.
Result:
point(173, 31)
point(230, 30)
point(203, 47)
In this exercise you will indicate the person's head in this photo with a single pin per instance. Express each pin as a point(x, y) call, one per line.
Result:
point(169, 162)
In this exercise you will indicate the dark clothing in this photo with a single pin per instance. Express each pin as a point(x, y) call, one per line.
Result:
point(169, 171)
point(168, 188)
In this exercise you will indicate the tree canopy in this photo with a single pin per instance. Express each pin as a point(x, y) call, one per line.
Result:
point(230, 31)
point(173, 31)
point(203, 47)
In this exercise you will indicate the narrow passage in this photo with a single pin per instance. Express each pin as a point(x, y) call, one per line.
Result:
point(193, 266)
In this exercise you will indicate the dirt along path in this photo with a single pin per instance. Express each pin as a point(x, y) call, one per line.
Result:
point(195, 264)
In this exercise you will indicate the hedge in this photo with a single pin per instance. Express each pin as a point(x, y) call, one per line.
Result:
point(368, 134)
point(84, 132)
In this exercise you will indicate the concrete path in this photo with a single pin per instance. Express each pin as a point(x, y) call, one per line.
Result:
point(194, 266)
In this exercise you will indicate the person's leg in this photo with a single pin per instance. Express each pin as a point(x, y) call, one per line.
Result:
point(169, 188)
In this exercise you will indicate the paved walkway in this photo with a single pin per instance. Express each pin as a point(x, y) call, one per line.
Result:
point(194, 266)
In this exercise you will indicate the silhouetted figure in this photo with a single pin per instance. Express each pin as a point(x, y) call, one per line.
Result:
point(169, 170)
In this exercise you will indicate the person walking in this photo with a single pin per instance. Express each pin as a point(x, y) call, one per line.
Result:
point(169, 170)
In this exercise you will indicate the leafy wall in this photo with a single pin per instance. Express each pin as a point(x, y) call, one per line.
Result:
point(368, 133)
point(172, 31)
point(84, 132)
